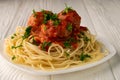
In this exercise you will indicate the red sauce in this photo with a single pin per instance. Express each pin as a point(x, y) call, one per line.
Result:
point(68, 27)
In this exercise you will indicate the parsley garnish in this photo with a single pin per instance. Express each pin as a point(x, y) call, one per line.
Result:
point(43, 10)
point(14, 47)
point(45, 44)
point(45, 28)
point(34, 13)
point(53, 17)
point(67, 54)
point(67, 44)
point(26, 35)
point(46, 17)
point(34, 42)
point(56, 22)
point(84, 56)
point(13, 57)
point(86, 39)
point(67, 9)
point(27, 32)
point(14, 34)
point(12, 37)
point(81, 34)
point(69, 27)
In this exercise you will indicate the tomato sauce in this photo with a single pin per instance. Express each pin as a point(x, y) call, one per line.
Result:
point(60, 28)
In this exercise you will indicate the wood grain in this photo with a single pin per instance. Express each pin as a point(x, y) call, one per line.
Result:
point(100, 16)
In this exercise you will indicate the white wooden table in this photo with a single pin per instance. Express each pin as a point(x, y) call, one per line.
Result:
point(102, 17)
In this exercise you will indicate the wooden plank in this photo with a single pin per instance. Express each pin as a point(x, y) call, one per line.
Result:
point(106, 19)
point(8, 72)
point(7, 12)
point(95, 15)
point(103, 23)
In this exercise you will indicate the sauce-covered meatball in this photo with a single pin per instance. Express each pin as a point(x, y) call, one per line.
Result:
point(38, 18)
point(70, 16)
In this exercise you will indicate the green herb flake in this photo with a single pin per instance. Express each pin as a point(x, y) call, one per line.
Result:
point(67, 54)
point(71, 39)
point(86, 39)
point(34, 13)
point(45, 44)
point(14, 47)
point(69, 27)
point(46, 17)
point(45, 28)
point(34, 42)
point(82, 33)
point(13, 57)
point(12, 37)
point(14, 34)
point(27, 32)
point(54, 17)
point(43, 10)
point(67, 44)
point(84, 56)
point(67, 9)
point(56, 22)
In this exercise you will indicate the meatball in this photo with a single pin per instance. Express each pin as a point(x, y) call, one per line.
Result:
point(72, 17)
point(37, 18)
point(49, 30)
point(65, 29)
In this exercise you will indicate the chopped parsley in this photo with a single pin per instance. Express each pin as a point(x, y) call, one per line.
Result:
point(34, 42)
point(14, 34)
point(86, 39)
point(66, 10)
point(82, 33)
point(56, 22)
point(45, 28)
point(45, 45)
point(84, 56)
point(27, 32)
point(12, 37)
point(14, 47)
point(46, 17)
point(67, 44)
point(43, 10)
point(26, 35)
point(69, 27)
point(67, 54)
point(34, 13)
point(53, 17)
point(13, 57)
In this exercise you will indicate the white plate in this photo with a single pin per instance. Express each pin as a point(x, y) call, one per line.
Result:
point(111, 49)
